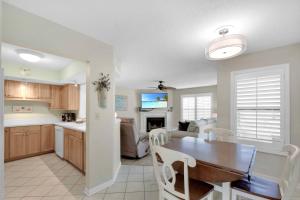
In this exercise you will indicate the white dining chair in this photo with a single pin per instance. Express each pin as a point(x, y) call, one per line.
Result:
point(158, 136)
point(177, 186)
point(220, 134)
point(261, 189)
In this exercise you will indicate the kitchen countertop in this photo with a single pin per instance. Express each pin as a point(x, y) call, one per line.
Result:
point(72, 125)
point(32, 122)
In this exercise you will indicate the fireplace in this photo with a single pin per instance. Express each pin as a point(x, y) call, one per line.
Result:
point(155, 122)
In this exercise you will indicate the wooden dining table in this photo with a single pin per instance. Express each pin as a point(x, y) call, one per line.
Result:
point(217, 162)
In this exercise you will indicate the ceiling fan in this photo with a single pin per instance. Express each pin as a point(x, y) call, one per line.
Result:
point(161, 86)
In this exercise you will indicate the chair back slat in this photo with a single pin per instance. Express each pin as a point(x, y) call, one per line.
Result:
point(158, 137)
point(291, 172)
point(166, 175)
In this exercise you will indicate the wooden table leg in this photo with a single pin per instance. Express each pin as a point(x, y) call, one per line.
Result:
point(226, 191)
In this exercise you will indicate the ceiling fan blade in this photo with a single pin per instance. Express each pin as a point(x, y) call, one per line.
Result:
point(170, 88)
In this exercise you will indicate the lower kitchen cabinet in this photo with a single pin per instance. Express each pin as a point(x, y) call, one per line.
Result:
point(17, 142)
point(74, 148)
point(47, 138)
point(33, 140)
point(26, 141)
point(6, 144)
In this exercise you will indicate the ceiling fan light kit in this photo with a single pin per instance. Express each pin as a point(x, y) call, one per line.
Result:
point(226, 46)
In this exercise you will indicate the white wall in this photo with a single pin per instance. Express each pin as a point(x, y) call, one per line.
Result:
point(265, 163)
point(1, 114)
point(198, 90)
point(24, 29)
point(133, 103)
point(82, 101)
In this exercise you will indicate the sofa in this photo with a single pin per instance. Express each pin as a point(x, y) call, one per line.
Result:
point(197, 129)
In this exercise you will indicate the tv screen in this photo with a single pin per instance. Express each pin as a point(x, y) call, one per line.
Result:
point(154, 100)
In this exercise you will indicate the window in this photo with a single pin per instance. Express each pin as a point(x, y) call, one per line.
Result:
point(196, 107)
point(261, 106)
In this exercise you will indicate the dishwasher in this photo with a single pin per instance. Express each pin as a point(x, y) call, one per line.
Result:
point(59, 141)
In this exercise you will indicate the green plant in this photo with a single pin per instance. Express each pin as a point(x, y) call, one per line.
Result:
point(102, 83)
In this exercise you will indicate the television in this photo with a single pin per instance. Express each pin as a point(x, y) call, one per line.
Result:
point(154, 100)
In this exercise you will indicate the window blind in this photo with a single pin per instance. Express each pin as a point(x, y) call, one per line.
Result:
point(258, 107)
point(188, 108)
point(196, 107)
point(203, 107)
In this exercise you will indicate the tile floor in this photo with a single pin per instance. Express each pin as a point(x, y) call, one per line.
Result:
point(48, 177)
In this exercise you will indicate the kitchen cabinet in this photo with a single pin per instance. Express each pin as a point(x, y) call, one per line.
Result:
point(55, 102)
point(33, 140)
point(6, 144)
point(32, 91)
point(17, 142)
point(45, 91)
point(65, 97)
point(47, 138)
point(14, 89)
point(70, 97)
point(24, 141)
point(74, 148)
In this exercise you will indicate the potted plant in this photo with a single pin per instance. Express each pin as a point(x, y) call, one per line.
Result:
point(102, 86)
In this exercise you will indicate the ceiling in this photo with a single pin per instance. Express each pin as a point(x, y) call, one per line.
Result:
point(165, 40)
point(49, 61)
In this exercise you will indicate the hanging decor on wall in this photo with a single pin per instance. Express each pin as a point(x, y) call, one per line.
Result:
point(121, 103)
point(102, 86)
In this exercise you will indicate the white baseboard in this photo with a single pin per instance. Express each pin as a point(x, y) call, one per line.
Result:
point(102, 186)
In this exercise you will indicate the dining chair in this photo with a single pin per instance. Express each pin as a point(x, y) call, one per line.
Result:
point(158, 136)
point(174, 186)
point(261, 189)
point(220, 134)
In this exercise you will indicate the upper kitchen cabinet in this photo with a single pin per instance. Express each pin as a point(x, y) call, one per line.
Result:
point(14, 89)
point(55, 102)
point(70, 97)
point(45, 91)
point(32, 90)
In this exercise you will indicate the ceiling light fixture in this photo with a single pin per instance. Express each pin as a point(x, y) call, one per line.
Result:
point(226, 46)
point(30, 56)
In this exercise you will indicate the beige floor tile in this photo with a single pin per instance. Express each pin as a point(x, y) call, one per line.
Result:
point(151, 186)
point(135, 196)
point(77, 189)
point(151, 196)
point(73, 197)
point(135, 187)
point(31, 198)
point(135, 177)
point(20, 191)
point(70, 180)
point(117, 187)
point(114, 196)
point(40, 191)
point(60, 190)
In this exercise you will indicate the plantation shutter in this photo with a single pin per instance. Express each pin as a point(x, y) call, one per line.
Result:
point(204, 107)
point(258, 107)
point(188, 108)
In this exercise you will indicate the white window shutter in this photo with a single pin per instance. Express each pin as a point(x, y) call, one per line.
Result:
point(258, 107)
point(204, 107)
point(188, 108)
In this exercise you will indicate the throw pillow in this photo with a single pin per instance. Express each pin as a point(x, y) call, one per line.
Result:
point(193, 127)
point(183, 126)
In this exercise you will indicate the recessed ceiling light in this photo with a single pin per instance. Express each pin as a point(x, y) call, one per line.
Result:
point(226, 46)
point(30, 56)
